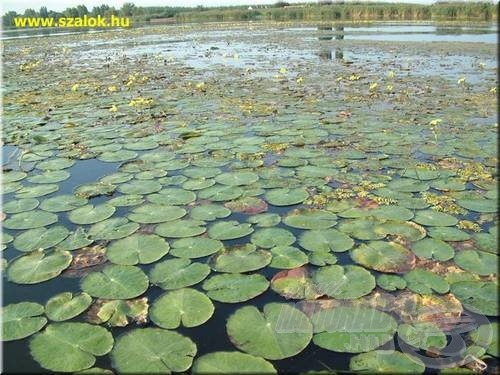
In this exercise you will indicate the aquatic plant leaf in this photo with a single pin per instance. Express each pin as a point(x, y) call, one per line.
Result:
point(139, 187)
point(115, 282)
point(70, 347)
point(325, 240)
point(231, 363)
point(229, 230)
point(209, 212)
point(94, 190)
point(155, 213)
point(391, 283)
point(392, 213)
point(295, 284)
point(117, 156)
point(237, 178)
point(181, 228)
point(284, 331)
point(119, 313)
point(60, 203)
point(186, 307)
point(35, 191)
point(91, 214)
point(247, 205)
point(195, 247)
point(218, 193)
point(40, 238)
point(286, 196)
point(448, 234)
point(13, 176)
point(322, 258)
point(426, 282)
point(233, 288)
point(238, 259)
point(271, 237)
point(307, 218)
point(75, 240)
point(384, 257)
point(126, 200)
point(287, 257)
point(178, 273)
point(172, 196)
point(407, 229)
point(133, 351)
point(349, 329)
point(20, 320)
point(478, 262)
point(55, 164)
point(30, 220)
point(64, 306)
point(348, 282)
point(363, 229)
point(486, 336)
point(36, 267)
point(423, 335)
point(479, 205)
point(435, 218)
point(432, 248)
point(477, 296)
point(265, 220)
point(137, 248)
point(387, 361)
point(20, 205)
point(112, 229)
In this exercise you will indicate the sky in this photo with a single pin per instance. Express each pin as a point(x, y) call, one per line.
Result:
point(58, 5)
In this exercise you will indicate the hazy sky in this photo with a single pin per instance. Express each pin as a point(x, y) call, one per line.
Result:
point(21, 5)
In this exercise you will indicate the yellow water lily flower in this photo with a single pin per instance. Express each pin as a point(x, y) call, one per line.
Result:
point(75, 87)
point(112, 88)
point(300, 80)
point(373, 86)
point(283, 70)
point(354, 77)
point(113, 108)
point(435, 122)
point(389, 87)
point(493, 90)
point(391, 74)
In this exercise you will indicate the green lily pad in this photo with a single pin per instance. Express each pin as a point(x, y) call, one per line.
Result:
point(36, 267)
point(91, 214)
point(229, 230)
point(295, 284)
point(116, 156)
point(322, 258)
point(387, 361)
point(55, 164)
point(181, 228)
point(426, 282)
point(478, 262)
point(233, 288)
point(352, 329)
point(363, 229)
point(155, 213)
point(209, 212)
point(198, 183)
point(195, 247)
point(40, 238)
point(384, 257)
point(448, 234)
point(126, 200)
point(172, 196)
point(178, 273)
point(152, 351)
point(116, 178)
point(271, 237)
point(231, 363)
point(435, 218)
point(422, 335)
point(140, 187)
point(70, 347)
point(325, 240)
point(347, 282)
point(237, 178)
point(421, 174)
point(20, 205)
point(240, 259)
point(408, 185)
point(392, 213)
point(432, 248)
point(219, 193)
point(94, 190)
point(65, 306)
point(62, 203)
point(307, 218)
point(118, 313)
point(115, 282)
point(137, 248)
point(477, 296)
point(479, 205)
point(247, 205)
point(486, 336)
point(287, 257)
point(30, 220)
point(284, 331)
point(391, 283)
point(75, 240)
point(186, 307)
point(20, 320)
point(406, 229)
point(198, 172)
point(13, 176)
point(286, 196)
point(265, 220)
point(112, 229)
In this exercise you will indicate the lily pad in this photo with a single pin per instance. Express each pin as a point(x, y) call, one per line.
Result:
point(247, 205)
point(173, 196)
point(233, 288)
point(325, 240)
point(432, 248)
point(287, 257)
point(62, 203)
point(426, 282)
point(181, 228)
point(65, 306)
point(195, 247)
point(284, 331)
point(70, 347)
point(115, 282)
point(229, 230)
point(349, 282)
point(237, 178)
point(387, 361)
point(307, 218)
point(55, 164)
point(240, 259)
point(435, 218)
point(126, 200)
point(91, 214)
point(448, 234)
point(209, 212)
point(75, 240)
point(94, 190)
point(384, 257)
point(116, 156)
point(186, 307)
point(391, 283)
point(137, 248)
point(271, 237)
point(36, 191)
point(422, 335)
point(155, 213)
point(363, 229)
point(295, 284)
point(349, 329)
point(286, 196)
point(20, 320)
point(140, 187)
point(20, 205)
point(478, 262)
point(486, 336)
point(152, 350)
point(30, 219)
point(479, 205)
point(219, 193)
point(231, 363)
point(40, 238)
point(265, 220)
point(112, 229)
point(178, 273)
point(119, 313)
point(36, 267)
point(478, 296)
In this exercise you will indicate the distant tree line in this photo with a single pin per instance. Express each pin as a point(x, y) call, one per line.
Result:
point(283, 11)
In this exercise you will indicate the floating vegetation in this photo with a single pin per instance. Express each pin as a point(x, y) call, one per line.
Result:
point(257, 204)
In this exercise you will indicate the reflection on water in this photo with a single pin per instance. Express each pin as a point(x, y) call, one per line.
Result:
point(338, 34)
